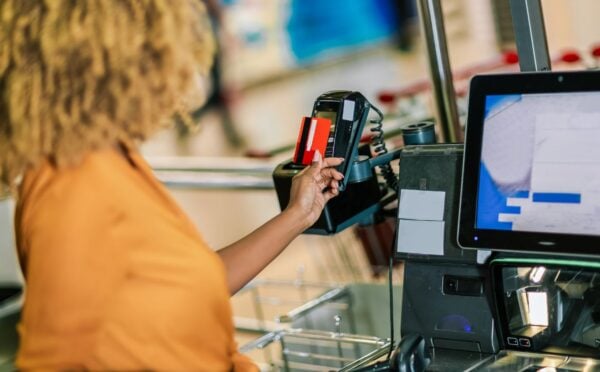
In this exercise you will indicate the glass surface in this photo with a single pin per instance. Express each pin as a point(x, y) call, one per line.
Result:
point(540, 164)
point(511, 361)
point(556, 309)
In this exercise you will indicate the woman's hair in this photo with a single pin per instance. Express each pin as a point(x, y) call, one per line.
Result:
point(78, 75)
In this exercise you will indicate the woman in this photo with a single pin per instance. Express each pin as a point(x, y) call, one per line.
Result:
point(117, 276)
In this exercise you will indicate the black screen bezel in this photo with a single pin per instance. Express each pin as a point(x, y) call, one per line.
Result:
point(469, 236)
point(340, 149)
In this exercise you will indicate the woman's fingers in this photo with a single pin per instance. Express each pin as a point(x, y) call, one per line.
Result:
point(317, 160)
point(324, 183)
point(321, 182)
point(332, 173)
point(324, 174)
point(326, 166)
point(332, 162)
point(330, 193)
point(319, 163)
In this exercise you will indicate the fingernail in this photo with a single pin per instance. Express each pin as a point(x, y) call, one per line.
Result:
point(317, 156)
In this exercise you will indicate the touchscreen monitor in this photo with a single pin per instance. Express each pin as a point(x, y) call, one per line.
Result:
point(531, 175)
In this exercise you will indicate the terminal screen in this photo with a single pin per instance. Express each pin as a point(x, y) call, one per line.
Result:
point(331, 115)
point(540, 164)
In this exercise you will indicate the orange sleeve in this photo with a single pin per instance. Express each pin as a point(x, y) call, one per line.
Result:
point(74, 260)
point(241, 363)
point(117, 276)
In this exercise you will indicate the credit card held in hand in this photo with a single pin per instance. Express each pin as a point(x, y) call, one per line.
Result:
point(313, 136)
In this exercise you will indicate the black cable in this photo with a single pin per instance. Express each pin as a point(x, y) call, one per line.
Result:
point(391, 288)
point(379, 148)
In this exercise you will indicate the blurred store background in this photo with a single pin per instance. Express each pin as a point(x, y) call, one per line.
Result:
point(277, 56)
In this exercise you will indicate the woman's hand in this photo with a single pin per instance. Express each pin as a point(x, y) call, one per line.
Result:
point(313, 187)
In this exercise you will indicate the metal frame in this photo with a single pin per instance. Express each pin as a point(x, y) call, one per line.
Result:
point(302, 307)
point(530, 35)
point(309, 337)
point(211, 173)
point(532, 47)
point(214, 181)
point(432, 25)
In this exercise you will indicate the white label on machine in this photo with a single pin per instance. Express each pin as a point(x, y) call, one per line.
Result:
point(421, 237)
point(421, 205)
point(348, 113)
point(421, 222)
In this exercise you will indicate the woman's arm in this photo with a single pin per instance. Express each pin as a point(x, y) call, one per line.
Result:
point(245, 258)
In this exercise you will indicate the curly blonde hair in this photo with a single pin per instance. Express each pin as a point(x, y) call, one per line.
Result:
point(78, 75)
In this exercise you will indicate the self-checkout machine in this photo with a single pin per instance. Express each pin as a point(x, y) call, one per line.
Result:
point(447, 316)
point(529, 187)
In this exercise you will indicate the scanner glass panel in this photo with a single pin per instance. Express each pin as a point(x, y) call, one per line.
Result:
point(540, 163)
point(551, 309)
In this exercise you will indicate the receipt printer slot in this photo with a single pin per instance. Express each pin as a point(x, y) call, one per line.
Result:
point(463, 286)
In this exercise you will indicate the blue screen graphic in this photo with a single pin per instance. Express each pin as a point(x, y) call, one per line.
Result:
point(540, 167)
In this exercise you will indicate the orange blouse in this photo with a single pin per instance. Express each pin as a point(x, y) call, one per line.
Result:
point(117, 276)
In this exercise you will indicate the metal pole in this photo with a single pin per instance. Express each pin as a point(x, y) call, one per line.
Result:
point(214, 181)
point(432, 25)
point(530, 35)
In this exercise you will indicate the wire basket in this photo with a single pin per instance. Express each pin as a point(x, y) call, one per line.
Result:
point(308, 350)
point(259, 305)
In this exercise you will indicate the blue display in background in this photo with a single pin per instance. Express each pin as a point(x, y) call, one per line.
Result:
point(317, 27)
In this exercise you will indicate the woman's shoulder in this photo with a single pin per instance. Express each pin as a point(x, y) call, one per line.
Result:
point(97, 171)
point(103, 180)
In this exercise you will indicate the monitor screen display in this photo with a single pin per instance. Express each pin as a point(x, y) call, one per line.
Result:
point(540, 163)
point(531, 169)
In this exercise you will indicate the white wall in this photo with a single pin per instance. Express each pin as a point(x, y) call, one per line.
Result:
point(572, 23)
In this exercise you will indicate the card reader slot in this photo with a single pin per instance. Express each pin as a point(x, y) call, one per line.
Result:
point(463, 286)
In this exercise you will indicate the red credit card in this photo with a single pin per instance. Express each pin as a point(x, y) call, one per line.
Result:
point(313, 136)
